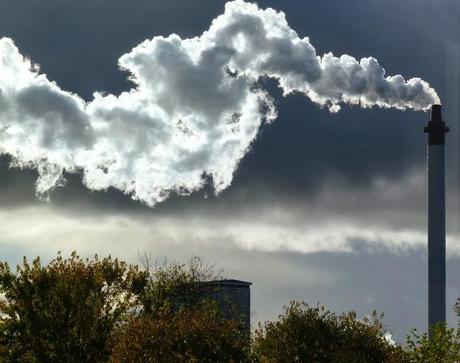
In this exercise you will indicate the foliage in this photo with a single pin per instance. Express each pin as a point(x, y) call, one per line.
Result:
point(442, 344)
point(178, 322)
point(457, 308)
point(313, 334)
point(65, 311)
point(197, 334)
point(105, 310)
point(176, 285)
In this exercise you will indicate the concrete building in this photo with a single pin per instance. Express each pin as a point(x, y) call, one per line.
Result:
point(233, 298)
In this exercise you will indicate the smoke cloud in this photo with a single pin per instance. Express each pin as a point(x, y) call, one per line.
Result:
point(194, 111)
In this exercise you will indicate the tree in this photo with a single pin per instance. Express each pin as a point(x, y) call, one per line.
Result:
point(441, 345)
point(176, 284)
point(65, 311)
point(178, 322)
point(198, 334)
point(314, 334)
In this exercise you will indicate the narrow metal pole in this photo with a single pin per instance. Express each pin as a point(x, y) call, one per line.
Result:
point(436, 130)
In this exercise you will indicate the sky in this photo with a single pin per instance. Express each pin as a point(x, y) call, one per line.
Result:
point(312, 204)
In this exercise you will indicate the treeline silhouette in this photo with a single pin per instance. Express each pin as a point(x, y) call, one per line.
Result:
point(106, 310)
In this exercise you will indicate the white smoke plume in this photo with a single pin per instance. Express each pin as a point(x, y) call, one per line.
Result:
point(194, 110)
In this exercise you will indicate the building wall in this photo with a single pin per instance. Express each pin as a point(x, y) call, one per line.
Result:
point(233, 298)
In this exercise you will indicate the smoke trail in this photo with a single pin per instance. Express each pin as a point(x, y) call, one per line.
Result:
point(193, 112)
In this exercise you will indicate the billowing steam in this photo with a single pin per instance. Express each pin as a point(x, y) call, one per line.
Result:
point(194, 110)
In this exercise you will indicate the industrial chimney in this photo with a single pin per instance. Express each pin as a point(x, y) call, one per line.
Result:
point(436, 130)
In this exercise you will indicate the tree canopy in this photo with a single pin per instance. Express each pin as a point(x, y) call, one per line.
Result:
point(106, 310)
point(65, 311)
point(313, 334)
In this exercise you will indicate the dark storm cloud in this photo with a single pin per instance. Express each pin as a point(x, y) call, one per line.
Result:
point(16, 186)
point(309, 146)
point(78, 43)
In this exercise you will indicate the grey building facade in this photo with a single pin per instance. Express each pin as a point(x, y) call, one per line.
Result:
point(233, 298)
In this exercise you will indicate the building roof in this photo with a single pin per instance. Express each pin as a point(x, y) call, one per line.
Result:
point(230, 283)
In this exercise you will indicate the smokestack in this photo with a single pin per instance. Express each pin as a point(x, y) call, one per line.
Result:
point(436, 130)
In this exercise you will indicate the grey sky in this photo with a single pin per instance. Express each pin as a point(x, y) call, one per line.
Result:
point(325, 207)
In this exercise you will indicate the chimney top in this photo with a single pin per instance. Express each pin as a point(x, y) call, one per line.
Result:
point(436, 127)
point(436, 113)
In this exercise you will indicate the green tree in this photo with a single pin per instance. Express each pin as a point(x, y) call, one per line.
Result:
point(441, 346)
point(65, 311)
point(314, 334)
